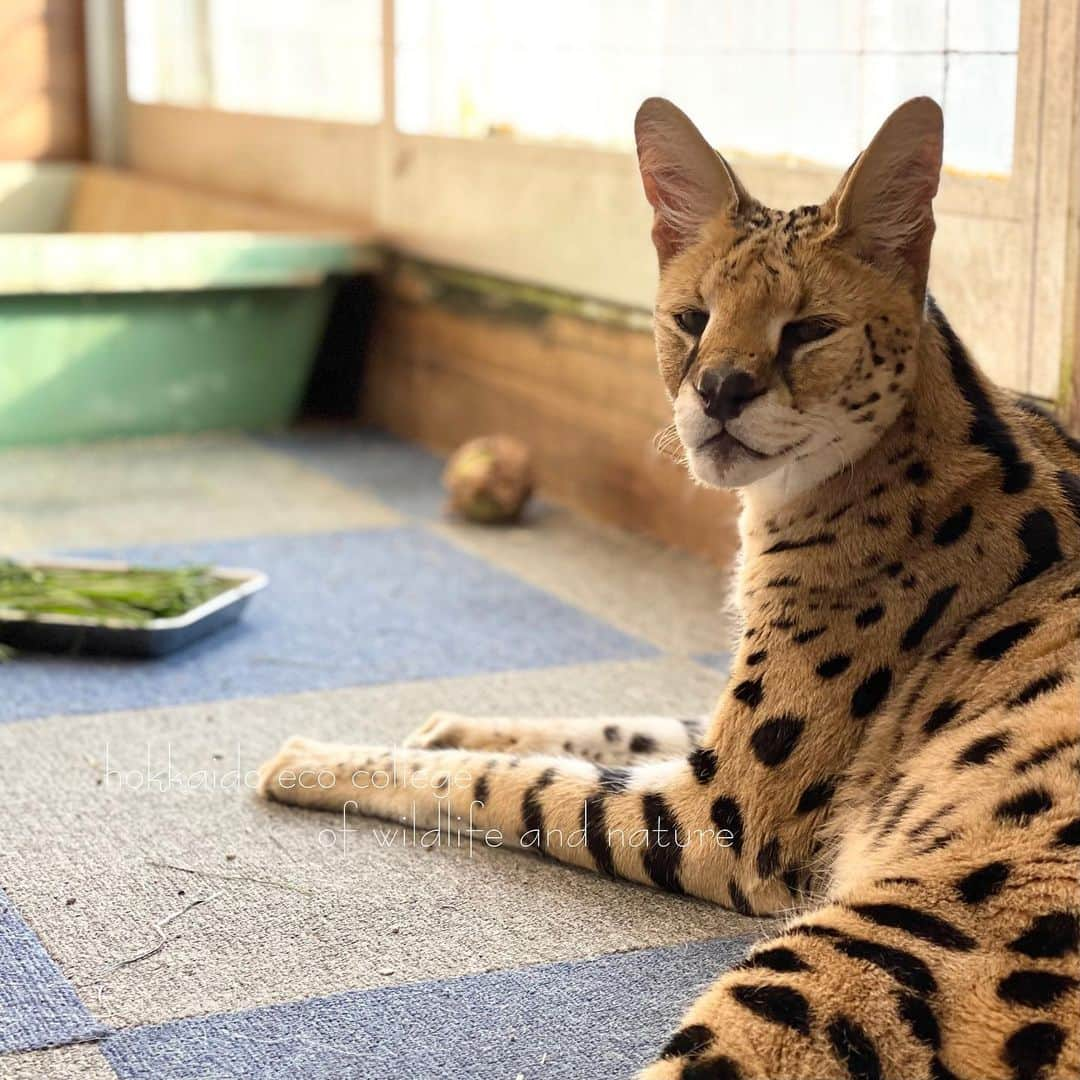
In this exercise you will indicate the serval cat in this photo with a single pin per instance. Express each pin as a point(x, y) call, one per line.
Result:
point(898, 749)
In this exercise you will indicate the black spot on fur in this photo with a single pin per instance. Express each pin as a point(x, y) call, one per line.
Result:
point(929, 823)
point(768, 858)
point(689, 1041)
point(869, 616)
point(954, 527)
point(749, 692)
point(611, 733)
point(1046, 753)
point(815, 930)
point(777, 1004)
point(915, 521)
point(983, 883)
point(774, 741)
point(803, 636)
point(737, 900)
point(778, 958)
point(938, 1070)
point(1039, 536)
point(939, 842)
point(703, 763)
point(1030, 1050)
point(854, 1048)
point(642, 744)
point(987, 429)
point(727, 817)
point(720, 1068)
point(921, 1020)
point(1036, 688)
point(917, 473)
point(1001, 641)
point(481, 790)
point(919, 924)
point(785, 581)
point(1069, 834)
point(900, 809)
point(1049, 936)
point(982, 750)
point(941, 715)
point(532, 811)
point(1026, 804)
point(594, 822)
point(935, 608)
point(833, 666)
point(794, 879)
point(824, 539)
point(816, 795)
point(1034, 989)
point(906, 968)
point(663, 854)
point(870, 693)
point(756, 658)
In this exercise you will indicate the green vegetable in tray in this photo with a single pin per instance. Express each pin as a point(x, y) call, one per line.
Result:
point(136, 595)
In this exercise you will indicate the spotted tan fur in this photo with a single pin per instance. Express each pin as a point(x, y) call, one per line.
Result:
point(898, 751)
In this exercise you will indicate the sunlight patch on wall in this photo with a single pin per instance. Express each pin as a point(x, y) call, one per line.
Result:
point(780, 78)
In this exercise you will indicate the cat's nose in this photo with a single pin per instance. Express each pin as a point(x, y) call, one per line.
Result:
point(725, 391)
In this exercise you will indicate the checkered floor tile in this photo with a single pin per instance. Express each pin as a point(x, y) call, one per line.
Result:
point(157, 920)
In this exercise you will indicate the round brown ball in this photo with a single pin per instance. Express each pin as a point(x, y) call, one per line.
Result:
point(489, 479)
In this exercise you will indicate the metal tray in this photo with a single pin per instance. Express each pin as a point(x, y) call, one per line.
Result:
point(76, 635)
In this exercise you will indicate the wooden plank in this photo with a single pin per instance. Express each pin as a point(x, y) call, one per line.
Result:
point(43, 95)
point(586, 397)
point(324, 167)
point(1049, 285)
point(117, 201)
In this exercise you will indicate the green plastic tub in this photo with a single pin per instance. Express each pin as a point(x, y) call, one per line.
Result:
point(111, 325)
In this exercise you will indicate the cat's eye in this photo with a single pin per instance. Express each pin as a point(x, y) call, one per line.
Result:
point(804, 331)
point(693, 321)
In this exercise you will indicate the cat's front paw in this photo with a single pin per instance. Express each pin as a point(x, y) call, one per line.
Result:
point(453, 731)
point(281, 777)
point(442, 730)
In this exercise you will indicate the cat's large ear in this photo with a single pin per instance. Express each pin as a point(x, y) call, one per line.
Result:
point(883, 206)
point(686, 181)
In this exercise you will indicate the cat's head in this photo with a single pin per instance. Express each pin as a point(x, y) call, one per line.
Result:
point(787, 339)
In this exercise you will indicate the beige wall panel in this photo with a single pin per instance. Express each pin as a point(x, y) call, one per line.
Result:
point(981, 277)
point(571, 219)
point(301, 163)
point(108, 200)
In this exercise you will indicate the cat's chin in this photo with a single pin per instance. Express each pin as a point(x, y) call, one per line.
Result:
point(730, 465)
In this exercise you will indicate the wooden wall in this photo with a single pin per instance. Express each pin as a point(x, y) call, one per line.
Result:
point(451, 363)
point(328, 168)
point(42, 80)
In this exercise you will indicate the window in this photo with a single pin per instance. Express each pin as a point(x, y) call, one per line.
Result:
point(532, 97)
point(317, 58)
point(577, 71)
